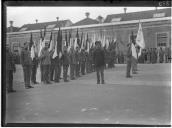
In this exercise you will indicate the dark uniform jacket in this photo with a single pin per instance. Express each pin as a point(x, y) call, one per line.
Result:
point(65, 59)
point(99, 57)
point(9, 61)
point(129, 53)
point(26, 59)
point(72, 57)
point(83, 56)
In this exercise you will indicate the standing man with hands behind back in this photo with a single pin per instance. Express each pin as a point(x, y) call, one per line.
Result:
point(99, 62)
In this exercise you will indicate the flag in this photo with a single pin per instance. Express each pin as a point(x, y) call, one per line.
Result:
point(50, 47)
point(31, 42)
point(75, 43)
point(140, 38)
point(42, 41)
point(78, 40)
point(81, 42)
point(55, 52)
point(66, 40)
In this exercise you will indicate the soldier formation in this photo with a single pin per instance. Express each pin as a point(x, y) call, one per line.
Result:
point(80, 62)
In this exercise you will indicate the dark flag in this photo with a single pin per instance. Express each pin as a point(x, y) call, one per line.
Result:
point(81, 39)
point(132, 38)
point(78, 40)
point(59, 41)
point(44, 32)
point(66, 39)
point(41, 37)
point(31, 42)
point(51, 36)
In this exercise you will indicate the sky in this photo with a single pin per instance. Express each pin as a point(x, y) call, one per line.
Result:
point(28, 15)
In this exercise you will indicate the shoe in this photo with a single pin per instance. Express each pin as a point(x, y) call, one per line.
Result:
point(128, 76)
point(30, 86)
point(66, 80)
point(103, 82)
point(135, 73)
point(48, 82)
point(56, 81)
point(36, 82)
point(11, 91)
point(98, 82)
point(72, 78)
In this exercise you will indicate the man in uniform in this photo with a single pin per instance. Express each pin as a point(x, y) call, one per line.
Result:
point(99, 61)
point(26, 62)
point(10, 69)
point(46, 62)
point(72, 63)
point(83, 60)
point(77, 56)
point(129, 57)
point(65, 62)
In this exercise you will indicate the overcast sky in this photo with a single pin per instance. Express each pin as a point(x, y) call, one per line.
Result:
point(26, 15)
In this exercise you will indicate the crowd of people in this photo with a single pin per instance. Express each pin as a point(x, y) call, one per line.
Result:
point(75, 63)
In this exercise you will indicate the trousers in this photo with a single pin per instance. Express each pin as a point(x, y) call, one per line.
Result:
point(33, 74)
point(27, 75)
point(100, 72)
point(9, 80)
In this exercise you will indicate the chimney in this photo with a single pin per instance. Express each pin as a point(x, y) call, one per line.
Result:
point(156, 8)
point(57, 18)
point(36, 21)
point(100, 19)
point(87, 14)
point(11, 26)
point(125, 10)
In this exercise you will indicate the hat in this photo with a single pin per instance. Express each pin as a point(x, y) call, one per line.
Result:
point(97, 42)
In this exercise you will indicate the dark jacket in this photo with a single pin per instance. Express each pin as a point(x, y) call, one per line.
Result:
point(99, 57)
point(9, 61)
point(72, 57)
point(129, 53)
point(26, 59)
point(65, 59)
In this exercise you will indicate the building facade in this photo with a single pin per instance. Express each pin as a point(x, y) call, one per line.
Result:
point(156, 26)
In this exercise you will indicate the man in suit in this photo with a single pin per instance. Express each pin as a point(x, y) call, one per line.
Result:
point(99, 61)
point(10, 69)
point(65, 62)
point(129, 60)
point(46, 62)
point(26, 62)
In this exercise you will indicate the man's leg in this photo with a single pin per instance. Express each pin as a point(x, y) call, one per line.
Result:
point(102, 74)
point(98, 75)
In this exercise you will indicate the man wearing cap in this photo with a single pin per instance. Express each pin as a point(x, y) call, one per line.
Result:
point(46, 62)
point(72, 63)
point(65, 62)
point(26, 62)
point(77, 56)
point(10, 69)
point(99, 61)
point(129, 57)
point(83, 60)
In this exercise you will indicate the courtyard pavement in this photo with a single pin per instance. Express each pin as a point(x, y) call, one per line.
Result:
point(143, 99)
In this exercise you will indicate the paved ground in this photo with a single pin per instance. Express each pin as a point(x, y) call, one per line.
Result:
point(144, 99)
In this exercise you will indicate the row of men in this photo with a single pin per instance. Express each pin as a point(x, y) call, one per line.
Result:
point(154, 55)
point(79, 63)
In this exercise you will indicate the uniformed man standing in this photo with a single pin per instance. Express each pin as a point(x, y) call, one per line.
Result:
point(65, 62)
point(99, 61)
point(83, 60)
point(77, 56)
point(26, 62)
point(72, 63)
point(10, 69)
point(129, 57)
point(161, 55)
point(46, 62)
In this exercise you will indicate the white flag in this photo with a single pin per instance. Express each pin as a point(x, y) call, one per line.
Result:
point(55, 52)
point(51, 46)
point(32, 52)
point(40, 48)
point(133, 50)
point(140, 39)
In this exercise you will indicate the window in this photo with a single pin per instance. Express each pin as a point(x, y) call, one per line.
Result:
point(51, 26)
point(116, 19)
point(162, 39)
point(22, 29)
point(157, 15)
